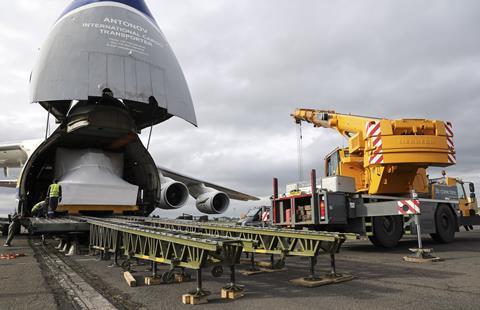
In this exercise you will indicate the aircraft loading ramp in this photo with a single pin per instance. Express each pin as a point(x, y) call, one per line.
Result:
point(189, 245)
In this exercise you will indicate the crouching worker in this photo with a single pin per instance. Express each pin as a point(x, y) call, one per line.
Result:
point(40, 209)
point(54, 195)
point(12, 229)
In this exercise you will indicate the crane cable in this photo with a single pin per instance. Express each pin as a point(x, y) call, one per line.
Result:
point(149, 137)
point(299, 151)
point(47, 128)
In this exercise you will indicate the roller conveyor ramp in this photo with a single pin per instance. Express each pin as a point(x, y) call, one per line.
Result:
point(196, 246)
point(58, 225)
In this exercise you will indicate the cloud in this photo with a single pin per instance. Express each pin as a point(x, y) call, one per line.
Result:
point(249, 64)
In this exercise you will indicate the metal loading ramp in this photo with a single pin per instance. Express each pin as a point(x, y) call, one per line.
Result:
point(55, 226)
point(270, 241)
point(178, 250)
point(190, 245)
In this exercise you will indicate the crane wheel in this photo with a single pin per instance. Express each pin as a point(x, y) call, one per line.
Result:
point(387, 231)
point(445, 225)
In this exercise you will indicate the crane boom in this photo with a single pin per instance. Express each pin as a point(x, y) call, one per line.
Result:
point(385, 156)
point(345, 124)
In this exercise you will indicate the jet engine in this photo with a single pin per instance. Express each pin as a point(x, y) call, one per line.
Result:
point(173, 194)
point(212, 202)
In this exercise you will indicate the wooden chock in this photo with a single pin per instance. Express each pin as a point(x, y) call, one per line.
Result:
point(130, 279)
point(192, 299)
point(182, 277)
point(152, 281)
point(232, 293)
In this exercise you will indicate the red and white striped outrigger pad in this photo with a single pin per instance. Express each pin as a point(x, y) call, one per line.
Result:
point(373, 131)
point(265, 216)
point(449, 130)
point(406, 207)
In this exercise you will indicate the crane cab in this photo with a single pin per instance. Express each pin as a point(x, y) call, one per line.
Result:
point(340, 162)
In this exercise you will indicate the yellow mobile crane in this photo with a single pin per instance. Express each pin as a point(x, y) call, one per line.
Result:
point(385, 156)
point(385, 163)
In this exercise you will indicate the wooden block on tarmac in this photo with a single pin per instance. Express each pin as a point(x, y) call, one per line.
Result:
point(321, 281)
point(180, 278)
point(343, 278)
point(130, 279)
point(251, 272)
point(189, 299)
point(152, 281)
point(267, 270)
point(264, 264)
point(231, 294)
point(414, 259)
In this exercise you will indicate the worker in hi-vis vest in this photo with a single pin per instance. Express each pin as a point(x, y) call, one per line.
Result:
point(54, 195)
point(39, 210)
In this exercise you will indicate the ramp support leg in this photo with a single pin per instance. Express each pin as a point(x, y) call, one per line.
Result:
point(117, 249)
point(232, 275)
point(199, 292)
point(252, 263)
point(115, 257)
point(154, 269)
point(232, 290)
point(104, 255)
point(199, 296)
point(199, 281)
point(333, 268)
point(312, 276)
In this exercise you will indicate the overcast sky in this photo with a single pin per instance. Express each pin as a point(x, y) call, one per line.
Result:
point(249, 64)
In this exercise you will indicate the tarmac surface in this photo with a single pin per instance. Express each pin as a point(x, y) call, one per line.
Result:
point(24, 282)
point(382, 280)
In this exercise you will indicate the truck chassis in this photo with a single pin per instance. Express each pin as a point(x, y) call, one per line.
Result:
point(383, 219)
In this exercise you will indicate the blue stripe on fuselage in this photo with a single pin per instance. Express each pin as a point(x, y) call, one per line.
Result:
point(136, 4)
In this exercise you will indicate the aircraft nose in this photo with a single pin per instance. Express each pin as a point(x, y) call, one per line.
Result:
point(139, 5)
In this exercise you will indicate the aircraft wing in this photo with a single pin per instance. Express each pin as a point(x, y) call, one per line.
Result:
point(8, 183)
point(10, 146)
point(12, 155)
point(189, 182)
